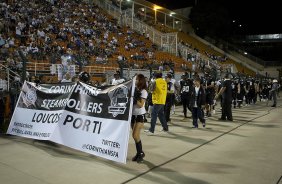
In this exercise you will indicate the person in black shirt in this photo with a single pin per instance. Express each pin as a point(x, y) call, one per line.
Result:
point(185, 92)
point(226, 92)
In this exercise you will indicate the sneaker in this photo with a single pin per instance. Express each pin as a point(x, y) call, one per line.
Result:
point(150, 133)
point(147, 130)
point(194, 127)
point(204, 125)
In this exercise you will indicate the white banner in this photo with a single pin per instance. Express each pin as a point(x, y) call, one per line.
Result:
point(33, 124)
point(97, 136)
point(77, 115)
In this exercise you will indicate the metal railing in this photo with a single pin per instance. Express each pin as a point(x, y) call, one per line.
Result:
point(44, 68)
point(166, 41)
point(10, 74)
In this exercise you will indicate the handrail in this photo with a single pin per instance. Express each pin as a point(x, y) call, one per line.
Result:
point(1, 65)
point(157, 37)
point(90, 69)
point(8, 70)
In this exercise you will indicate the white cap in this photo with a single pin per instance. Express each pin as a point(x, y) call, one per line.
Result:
point(274, 80)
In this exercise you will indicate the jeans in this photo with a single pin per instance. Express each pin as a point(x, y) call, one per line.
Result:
point(158, 111)
point(197, 113)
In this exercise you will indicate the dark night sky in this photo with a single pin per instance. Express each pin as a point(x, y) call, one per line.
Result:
point(257, 18)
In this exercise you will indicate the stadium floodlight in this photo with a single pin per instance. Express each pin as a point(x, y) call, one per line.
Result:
point(156, 7)
point(172, 13)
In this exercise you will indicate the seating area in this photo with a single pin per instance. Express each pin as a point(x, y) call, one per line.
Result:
point(205, 51)
point(86, 33)
point(93, 40)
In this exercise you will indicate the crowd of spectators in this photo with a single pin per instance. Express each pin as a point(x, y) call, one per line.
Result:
point(46, 31)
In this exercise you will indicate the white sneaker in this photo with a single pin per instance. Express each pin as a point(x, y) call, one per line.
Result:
point(150, 133)
point(147, 130)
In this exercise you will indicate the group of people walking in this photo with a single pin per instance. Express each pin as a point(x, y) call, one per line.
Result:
point(198, 96)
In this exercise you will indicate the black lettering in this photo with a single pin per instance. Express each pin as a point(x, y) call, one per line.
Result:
point(68, 119)
point(56, 118)
point(100, 125)
point(39, 117)
point(51, 115)
point(86, 124)
point(33, 120)
point(94, 129)
point(45, 117)
point(80, 123)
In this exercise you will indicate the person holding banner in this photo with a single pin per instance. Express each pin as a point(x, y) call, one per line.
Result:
point(138, 115)
point(84, 77)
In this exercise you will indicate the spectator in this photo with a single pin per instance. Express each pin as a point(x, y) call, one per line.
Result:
point(66, 78)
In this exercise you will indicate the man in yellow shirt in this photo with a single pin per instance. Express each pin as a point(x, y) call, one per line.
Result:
point(159, 92)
